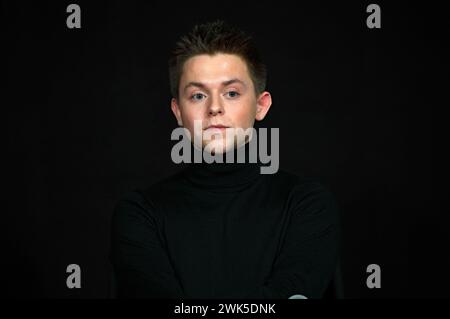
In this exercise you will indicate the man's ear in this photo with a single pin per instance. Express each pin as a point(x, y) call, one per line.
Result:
point(263, 105)
point(176, 111)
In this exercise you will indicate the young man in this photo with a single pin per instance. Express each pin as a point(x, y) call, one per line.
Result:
point(223, 230)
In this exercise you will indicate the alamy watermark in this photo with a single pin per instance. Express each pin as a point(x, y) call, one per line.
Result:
point(373, 21)
point(74, 279)
point(223, 141)
point(73, 21)
point(374, 279)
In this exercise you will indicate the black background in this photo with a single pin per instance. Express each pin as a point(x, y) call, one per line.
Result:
point(88, 118)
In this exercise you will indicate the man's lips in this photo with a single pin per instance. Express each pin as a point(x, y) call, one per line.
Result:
point(216, 127)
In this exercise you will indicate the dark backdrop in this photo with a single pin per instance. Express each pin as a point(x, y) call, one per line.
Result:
point(88, 118)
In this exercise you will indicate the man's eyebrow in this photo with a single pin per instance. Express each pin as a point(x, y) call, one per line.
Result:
point(224, 83)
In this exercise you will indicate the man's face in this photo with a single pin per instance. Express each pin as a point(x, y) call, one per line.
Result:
point(217, 90)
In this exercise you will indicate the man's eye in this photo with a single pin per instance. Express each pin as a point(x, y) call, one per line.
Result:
point(233, 94)
point(197, 96)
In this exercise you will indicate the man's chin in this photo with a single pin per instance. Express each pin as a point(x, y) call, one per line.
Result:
point(216, 148)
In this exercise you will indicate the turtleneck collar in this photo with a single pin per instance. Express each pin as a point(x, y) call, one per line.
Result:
point(223, 175)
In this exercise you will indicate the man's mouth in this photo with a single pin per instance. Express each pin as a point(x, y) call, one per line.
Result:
point(218, 126)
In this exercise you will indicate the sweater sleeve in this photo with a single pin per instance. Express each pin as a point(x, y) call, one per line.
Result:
point(141, 265)
point(307, 258)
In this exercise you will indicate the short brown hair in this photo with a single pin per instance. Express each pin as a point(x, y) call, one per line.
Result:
point(211, 38)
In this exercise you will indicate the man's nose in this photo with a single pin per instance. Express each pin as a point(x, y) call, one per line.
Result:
point(215, 106)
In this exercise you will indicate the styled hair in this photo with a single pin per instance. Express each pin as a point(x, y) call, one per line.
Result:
point(212, 38)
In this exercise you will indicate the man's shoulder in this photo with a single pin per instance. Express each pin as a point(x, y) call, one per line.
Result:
point(302, 187)
point(147, 198)
point(311, 196)
point(164, 188)
point(166, 183)
point(295, 180)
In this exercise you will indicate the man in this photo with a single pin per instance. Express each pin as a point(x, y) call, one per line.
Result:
point(223, 230)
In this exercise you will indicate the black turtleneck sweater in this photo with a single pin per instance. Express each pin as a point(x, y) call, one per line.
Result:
point(224, 230)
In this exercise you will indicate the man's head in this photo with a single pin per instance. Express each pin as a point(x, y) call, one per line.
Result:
point(217, 78)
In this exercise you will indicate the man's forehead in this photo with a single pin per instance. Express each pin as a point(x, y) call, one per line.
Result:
point(223, 60)
point(214, 69)
point(205, 84)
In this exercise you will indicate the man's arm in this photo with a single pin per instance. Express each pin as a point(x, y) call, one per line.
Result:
point(308, 256)
point(141, 265)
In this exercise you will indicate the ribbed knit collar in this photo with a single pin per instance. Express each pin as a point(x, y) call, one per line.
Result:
point(223, 175)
